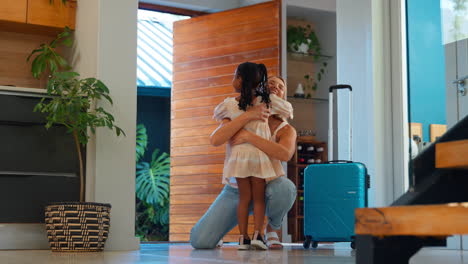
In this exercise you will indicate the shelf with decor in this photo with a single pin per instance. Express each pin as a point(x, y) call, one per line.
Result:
point(311, 100)
point(308, 151)
point(303, 45)
point(308, 57)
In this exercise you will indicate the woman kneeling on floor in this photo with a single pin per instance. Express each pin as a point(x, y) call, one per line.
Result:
point(280, 192)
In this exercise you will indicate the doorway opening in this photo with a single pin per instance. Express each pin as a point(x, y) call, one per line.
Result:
point(154, 82)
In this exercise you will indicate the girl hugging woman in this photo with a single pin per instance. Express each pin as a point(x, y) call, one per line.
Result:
point(245, 166)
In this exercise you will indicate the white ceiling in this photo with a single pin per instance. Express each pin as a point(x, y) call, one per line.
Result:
point(210, 6)
point(320, 5)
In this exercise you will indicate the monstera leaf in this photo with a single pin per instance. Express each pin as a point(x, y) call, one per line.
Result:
point(161, 215)
point(141, 141)
point(152, 181)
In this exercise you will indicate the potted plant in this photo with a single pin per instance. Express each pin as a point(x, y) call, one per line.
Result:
point(310, 85)
point(303, 40)
point(73, 226)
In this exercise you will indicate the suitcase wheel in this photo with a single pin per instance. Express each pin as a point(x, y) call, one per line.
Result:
point(314, 244)
point(353, 242)
point(307, 241)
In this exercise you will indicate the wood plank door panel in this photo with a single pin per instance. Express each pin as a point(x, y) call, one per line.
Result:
point(207, 50)
point(14, 49)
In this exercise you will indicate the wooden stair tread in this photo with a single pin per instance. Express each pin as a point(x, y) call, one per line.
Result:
point(418, 220)
point(452, 155)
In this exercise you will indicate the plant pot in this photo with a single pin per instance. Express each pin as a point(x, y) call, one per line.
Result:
point(77, 227)
point(302, 48)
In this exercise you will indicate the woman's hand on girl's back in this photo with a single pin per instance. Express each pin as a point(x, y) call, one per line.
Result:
point(258, 112)
point(240, 137)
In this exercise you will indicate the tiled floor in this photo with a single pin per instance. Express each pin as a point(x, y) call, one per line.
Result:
point(183, 253)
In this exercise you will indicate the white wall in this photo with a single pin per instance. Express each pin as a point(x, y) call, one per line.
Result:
point(399, 97)
point(323, 5)
point(382, 108)
point(361, 58)
point(326, 32)
point(110, 55)
point(85, 62)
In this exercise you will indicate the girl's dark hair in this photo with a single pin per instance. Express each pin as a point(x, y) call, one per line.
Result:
point(254, 77)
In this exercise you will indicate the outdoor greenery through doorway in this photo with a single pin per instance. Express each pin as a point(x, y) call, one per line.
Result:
point(152, 191)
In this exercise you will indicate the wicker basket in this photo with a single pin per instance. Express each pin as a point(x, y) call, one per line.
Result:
point(77, 227)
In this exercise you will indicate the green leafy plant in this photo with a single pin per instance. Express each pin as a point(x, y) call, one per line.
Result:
point(48, 58)
point(152, 180)
point(310, 85)
point(72, 99)
point(300, 35)
point(297, 35)
point(141, 141)
point(152, 223)
point(152, 191)
point(321, 72)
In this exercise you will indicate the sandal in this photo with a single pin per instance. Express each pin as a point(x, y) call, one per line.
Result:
point(272, 240)
point(244, 243)
point(220, 244)
point(257, 242)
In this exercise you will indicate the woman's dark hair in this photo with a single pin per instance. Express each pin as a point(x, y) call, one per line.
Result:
point(254, 77)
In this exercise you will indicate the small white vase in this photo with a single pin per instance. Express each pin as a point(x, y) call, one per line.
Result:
point(299, 91)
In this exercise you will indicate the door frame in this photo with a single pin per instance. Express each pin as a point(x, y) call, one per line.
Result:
point(399, 84)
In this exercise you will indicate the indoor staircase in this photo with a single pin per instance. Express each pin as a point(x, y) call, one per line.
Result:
point(435, 207)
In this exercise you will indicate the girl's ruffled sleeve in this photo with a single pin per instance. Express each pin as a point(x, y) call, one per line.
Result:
point(281, 107)
point(221, 111)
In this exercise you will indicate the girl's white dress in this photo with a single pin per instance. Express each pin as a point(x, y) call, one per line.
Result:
point(245, 160)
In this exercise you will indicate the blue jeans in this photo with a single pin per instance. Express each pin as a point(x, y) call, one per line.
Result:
point(221, 217)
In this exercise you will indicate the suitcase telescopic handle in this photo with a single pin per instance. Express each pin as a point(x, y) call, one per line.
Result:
point(330, 118)
point(339, 161)
point(340, 86)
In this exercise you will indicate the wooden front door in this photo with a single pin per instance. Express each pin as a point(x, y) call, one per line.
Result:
point(207, 50)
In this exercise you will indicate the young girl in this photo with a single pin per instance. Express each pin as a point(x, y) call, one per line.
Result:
point(245, 166)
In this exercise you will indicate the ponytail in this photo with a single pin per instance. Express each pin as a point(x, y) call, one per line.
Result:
point(262, 88)
point(254, 78)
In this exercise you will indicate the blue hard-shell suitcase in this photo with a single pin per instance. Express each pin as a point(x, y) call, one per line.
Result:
point(332, 191)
